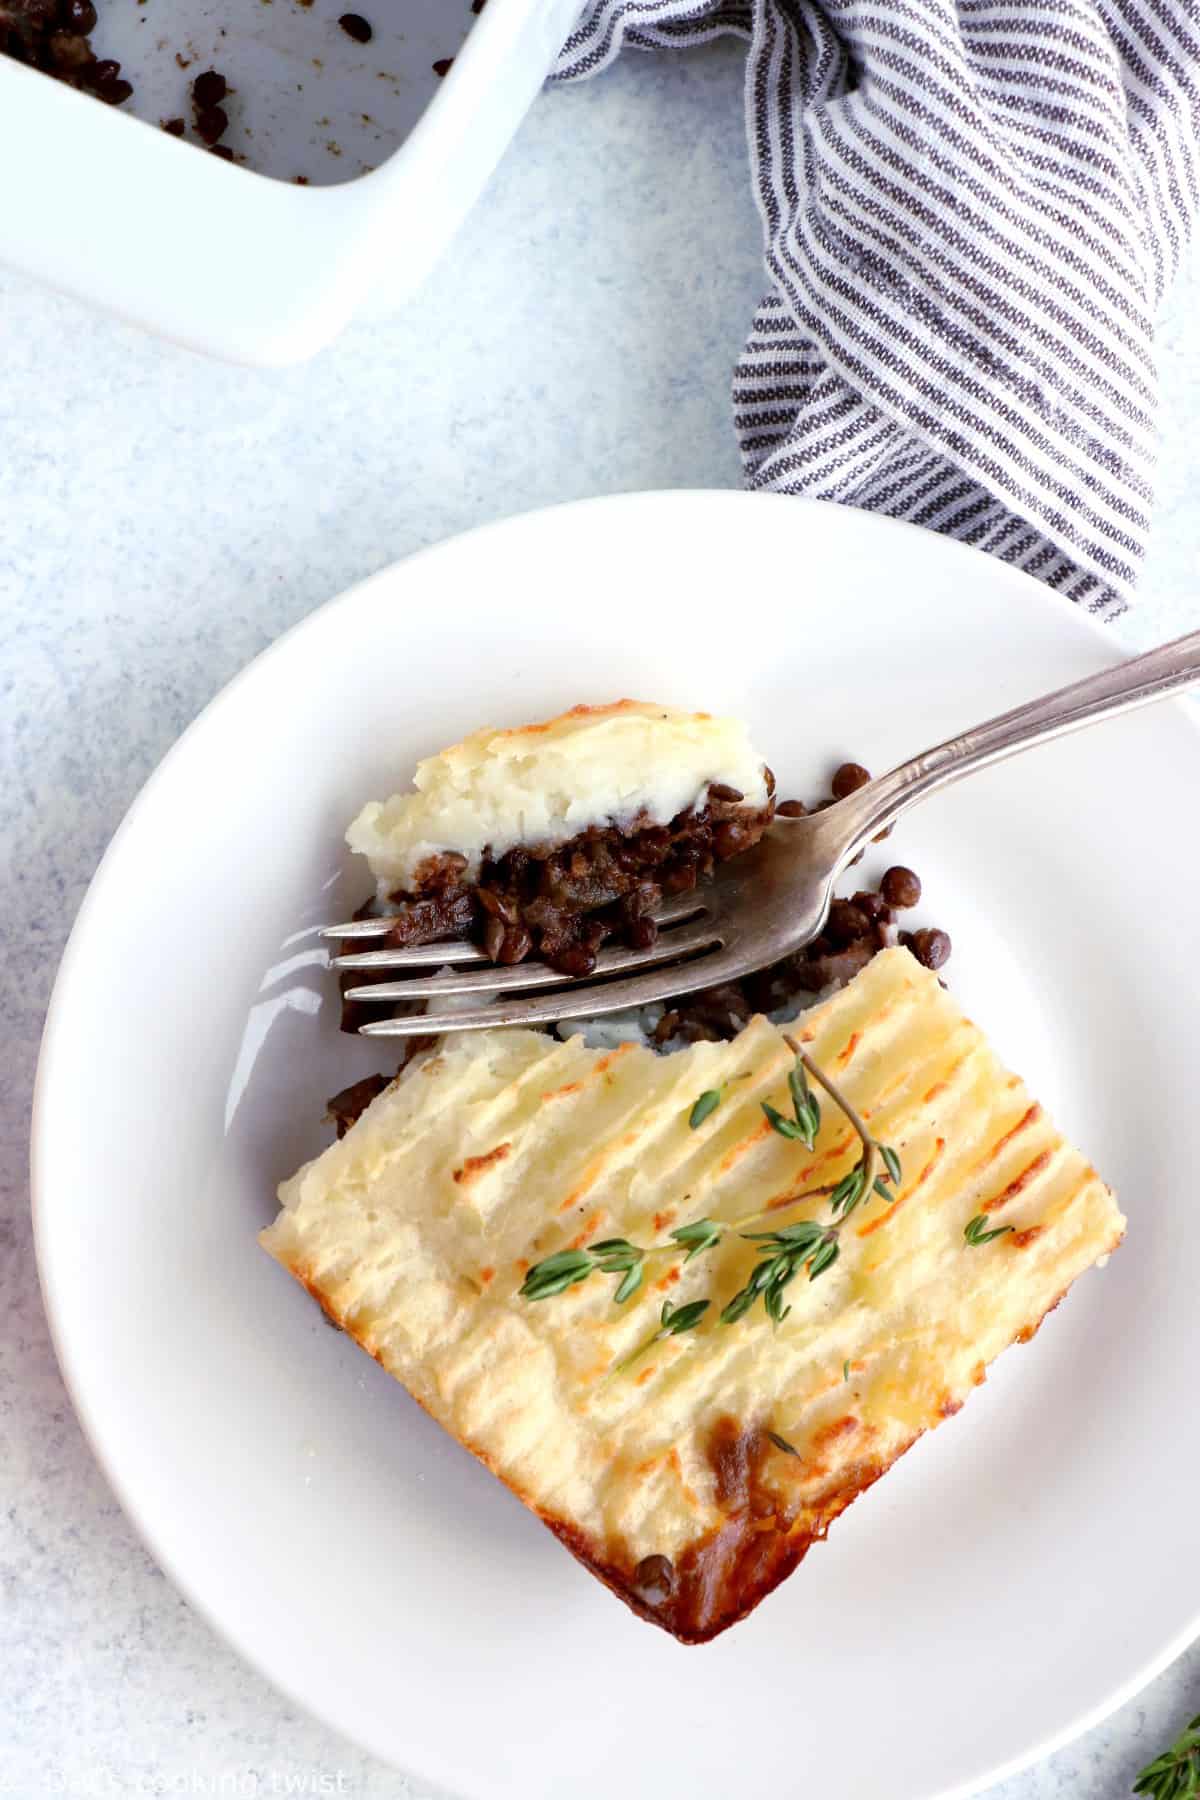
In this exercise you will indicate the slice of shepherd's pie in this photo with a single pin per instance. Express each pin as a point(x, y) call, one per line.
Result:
point(691, 1469)
point(557, 836)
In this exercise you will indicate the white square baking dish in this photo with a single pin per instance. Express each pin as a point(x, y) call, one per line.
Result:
point(355, 163)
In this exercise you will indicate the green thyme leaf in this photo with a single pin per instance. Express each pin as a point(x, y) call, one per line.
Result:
point(777, 1312)
point(804, 1104)
point(554, 1274)
point(1175, 1775)
point(682, 1318)
point(976, 1230)
point(798, 1083)
point(781, 1443)
point(849, 1191)
point(615, 1254)
point(702, 1234)
point(891, 1162)
point(803, 1232)
point(762, 1275)
point(631, 1281)
point(882, 1189)
point(823, 1258)
point(846, 1370)
point(708, 1102)
point(560, 1262)
point(739, 1306)
point(787, 1128)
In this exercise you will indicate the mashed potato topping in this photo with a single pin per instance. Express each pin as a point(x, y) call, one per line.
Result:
point(694, 1482)
point(620, 765)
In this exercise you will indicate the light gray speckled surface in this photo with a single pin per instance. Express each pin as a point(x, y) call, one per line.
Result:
point(160, 521)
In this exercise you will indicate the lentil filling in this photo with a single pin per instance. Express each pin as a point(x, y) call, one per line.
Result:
point(564, 901)
point(565, 904)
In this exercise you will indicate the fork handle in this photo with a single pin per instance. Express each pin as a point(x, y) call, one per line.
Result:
point(1167, 670)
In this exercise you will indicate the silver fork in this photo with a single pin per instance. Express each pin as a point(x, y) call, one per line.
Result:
point(762, 905)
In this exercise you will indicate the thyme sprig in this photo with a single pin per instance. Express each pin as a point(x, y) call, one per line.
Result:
point(616, 1256)
point(805, 1245)
point(876, 1167)
point(1175, 1775)
point(806, 1108)
point(808, 1244)
point(786, 1251)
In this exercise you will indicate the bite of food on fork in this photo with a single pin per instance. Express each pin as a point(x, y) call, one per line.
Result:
point(521, 854)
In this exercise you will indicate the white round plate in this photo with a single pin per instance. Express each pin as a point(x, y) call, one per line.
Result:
point(1024, 1568)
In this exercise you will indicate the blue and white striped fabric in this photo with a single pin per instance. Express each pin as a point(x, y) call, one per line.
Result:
point(971, 210)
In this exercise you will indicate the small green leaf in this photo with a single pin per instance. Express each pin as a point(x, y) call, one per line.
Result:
point(615, 1255)
point(554, 1274)
point(781, 1443)
point(562, 1259)
point(882, 1189)
point(976, 1230)
point(842, 1190)
point(804, 1231)
point(804, 1104)
point(787, 1128)
point(777, 1312)
point(697, 1232)
point(739, 1306)
point(849, 1191)
point(846, 1370)
point(683, 1318)
point(631, 1281)
point(708, 1102)
point(702, 1234)
point(763, 1274)
point(822, 1259)
point(1175, 1775)
point(891, 1163)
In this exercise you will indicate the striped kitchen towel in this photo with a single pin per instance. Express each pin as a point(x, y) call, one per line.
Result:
point(971, 210)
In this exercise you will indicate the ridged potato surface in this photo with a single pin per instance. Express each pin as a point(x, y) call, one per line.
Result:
point(628, 764)
point(416, 1230)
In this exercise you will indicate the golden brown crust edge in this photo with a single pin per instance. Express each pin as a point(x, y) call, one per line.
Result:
point(723, 1576)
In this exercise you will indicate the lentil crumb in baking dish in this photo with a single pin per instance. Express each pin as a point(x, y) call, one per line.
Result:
point(318, 97)
point(55, 37)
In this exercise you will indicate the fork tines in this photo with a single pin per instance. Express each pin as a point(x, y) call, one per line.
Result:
point(687, 930)
point(454, 950)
